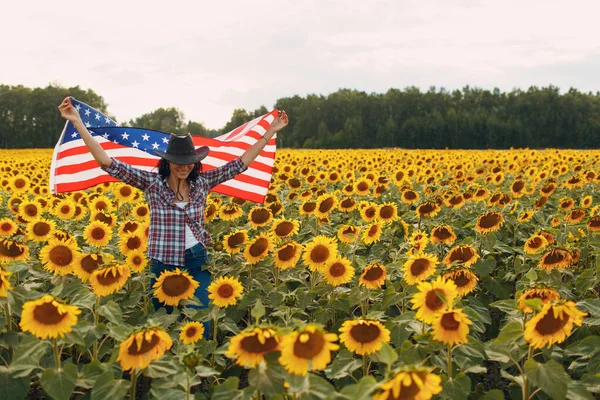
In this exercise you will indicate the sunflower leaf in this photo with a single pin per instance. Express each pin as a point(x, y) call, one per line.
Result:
point(550, 377)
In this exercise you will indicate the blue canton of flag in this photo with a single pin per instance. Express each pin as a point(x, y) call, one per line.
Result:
point(100, 125)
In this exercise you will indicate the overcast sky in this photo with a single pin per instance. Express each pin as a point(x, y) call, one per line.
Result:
point(207, 58)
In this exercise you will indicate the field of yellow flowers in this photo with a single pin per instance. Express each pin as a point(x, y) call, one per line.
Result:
point(386, 274)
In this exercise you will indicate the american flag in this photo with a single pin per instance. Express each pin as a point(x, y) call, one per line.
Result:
point(73, 167)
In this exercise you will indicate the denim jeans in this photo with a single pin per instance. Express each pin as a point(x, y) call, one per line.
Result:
point(195, 257)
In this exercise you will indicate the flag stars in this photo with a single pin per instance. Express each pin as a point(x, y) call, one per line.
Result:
point(154, 146)
point(145, 137)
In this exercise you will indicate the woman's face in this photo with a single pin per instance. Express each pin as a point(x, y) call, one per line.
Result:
point(180, 171)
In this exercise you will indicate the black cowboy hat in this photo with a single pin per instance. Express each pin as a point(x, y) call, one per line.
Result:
point(181, 150)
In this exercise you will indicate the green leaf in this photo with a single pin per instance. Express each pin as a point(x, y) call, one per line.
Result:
point(386, 355)
point(112, 312)
point(550, 377)
point(362, 390)
point(258, 311)
point(12, 387)
point(59, 384)
point(27, 355)
point(107, 387)
point(457, 388)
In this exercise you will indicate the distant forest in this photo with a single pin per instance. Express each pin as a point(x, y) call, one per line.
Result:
point(471, 118)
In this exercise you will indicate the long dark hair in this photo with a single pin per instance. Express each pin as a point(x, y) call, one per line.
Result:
point(164, 170)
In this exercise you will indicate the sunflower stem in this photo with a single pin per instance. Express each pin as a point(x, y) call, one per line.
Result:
point(133, 384)
point(449, 361)
point(56, 354)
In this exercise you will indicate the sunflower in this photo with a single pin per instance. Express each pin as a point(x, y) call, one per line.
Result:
point(372, 233)
point(58, 256)
point(48, 318)
point(7, 227)
point(30, 210)
point(348, 233)
point(258, 248)
point(136, 260)
point(451, 326)
point(141, 212)
point(191, 332)
point(5, 285)
point(173, 286)
point(230, 212)
point(347, 204)
point(419, 267)
point(310, 346)
point(534, 244)
point(555, 258)
point(85, 264)
point(409, 196)
point(461, 255)
point(109, 280)
point(259, 216)
point(284, 228)
point(249, 347)
point(287, 255)
point(319, 252)
point(233, 242)
point(433, 298)
point(593, 224)
point(143, 347)
point(547, 295)
point(338, 271)
point(132, 241)
point(489, 222)
point(443, 234)
point(373, 276)
point(414, 383)
point(363, 336)
point(225, 291)
point(97, 233)
point(575, 216)
point(40, 230)
point(429, 209)
point(368, 211)
point(387, 212)
point(553, 324)
point(326, 203)
point(463, 278)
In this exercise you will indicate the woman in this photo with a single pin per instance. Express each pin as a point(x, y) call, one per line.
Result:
point(176, 196)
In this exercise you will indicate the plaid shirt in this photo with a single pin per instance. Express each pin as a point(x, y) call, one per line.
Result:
point(166, 240)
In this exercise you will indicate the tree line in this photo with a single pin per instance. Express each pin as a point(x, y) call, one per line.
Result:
point(469, 118)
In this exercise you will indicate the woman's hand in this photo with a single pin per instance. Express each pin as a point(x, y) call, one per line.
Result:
point(67, 111)
point(280, 121)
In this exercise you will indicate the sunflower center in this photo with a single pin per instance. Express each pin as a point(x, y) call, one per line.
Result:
point(373, 274)
point(449, 323)
point(287, 253)
point(61, 255)
point(433, 299)
point(419, 266)
point(313, 345)
point(259, 247)
point(146, 346)
point(191, 331)
point(365, 333)
point(251, 344)
point(134, 243)
point(48, 314)
point(130, 226)
point(31, 210)
point(326, 205)
point(549, 325)
point(337, 269)
point(319, 254)
point(175, 285)
point(225, 291)
point(261, 216)
point(284, 228)
point(98, 233)
point(108, 277)
point(89, 265)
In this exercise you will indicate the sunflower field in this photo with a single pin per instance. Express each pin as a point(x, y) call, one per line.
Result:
point(385, 274)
